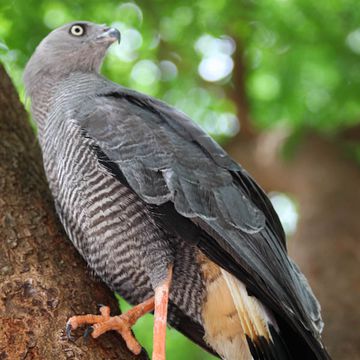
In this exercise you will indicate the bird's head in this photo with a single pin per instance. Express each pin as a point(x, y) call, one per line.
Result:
point(78, 46)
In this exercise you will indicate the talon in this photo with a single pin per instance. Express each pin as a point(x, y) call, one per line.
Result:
point(100, 324)
point(68, 329)
point(87, 333)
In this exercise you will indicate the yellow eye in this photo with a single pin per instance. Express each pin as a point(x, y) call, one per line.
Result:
point(77, 30)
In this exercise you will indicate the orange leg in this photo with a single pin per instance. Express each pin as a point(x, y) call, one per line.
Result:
point(160, 313)
point(123, 323)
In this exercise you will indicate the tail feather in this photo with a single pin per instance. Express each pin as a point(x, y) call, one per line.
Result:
point(237, 325)
point(252, 314)
point(259, 326)
point(223, 330)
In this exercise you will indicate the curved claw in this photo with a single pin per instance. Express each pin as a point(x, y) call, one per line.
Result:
point(87, 333)
point(100, 324)
point(68, 329)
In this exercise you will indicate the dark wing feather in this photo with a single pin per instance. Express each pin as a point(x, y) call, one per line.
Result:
point(189, 179)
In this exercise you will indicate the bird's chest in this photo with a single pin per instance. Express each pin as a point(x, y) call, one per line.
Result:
point(104, 219)
point(111, 227)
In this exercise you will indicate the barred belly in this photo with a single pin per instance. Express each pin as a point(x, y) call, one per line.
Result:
point(113, 230)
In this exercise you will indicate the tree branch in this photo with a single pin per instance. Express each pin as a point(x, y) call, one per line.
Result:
point(43, 280)
point(237, 93)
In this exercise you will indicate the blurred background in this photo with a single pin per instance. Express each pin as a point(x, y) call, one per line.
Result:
point(277, 83)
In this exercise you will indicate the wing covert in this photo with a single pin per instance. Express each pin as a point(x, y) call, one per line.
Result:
point(163, 161)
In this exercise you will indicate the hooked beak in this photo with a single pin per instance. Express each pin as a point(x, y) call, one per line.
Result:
point(109, 35)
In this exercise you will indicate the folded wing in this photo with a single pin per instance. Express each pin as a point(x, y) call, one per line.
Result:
point(184, 175)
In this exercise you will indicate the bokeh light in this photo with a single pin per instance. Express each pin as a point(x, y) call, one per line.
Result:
point(131, 41)
point(145, 72)
point(287, 211)
point(216, 63)
point(353, 41)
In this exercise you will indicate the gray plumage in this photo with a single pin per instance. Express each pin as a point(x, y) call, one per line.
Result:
point(117, 160)
point(105, 220)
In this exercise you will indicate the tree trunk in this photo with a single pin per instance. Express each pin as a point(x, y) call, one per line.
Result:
point(326, 245)
point(43, 280)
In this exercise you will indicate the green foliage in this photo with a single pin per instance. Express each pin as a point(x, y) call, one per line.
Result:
point(177, 346)
point(301, 57)
point(304, 56)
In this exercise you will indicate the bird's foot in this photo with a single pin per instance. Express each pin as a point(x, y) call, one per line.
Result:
point(100, 324)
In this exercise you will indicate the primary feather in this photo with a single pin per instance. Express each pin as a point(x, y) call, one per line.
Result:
point(138, 186)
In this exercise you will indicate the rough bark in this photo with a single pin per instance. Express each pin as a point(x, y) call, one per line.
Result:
point(43, 280)
point(326, 245)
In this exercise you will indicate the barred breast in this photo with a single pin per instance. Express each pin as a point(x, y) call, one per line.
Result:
point(109, 224)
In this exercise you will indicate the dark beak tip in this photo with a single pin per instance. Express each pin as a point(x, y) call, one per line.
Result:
point(112, 33)
point(115, 33)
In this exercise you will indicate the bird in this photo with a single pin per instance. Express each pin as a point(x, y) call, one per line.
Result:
point(162, 214)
